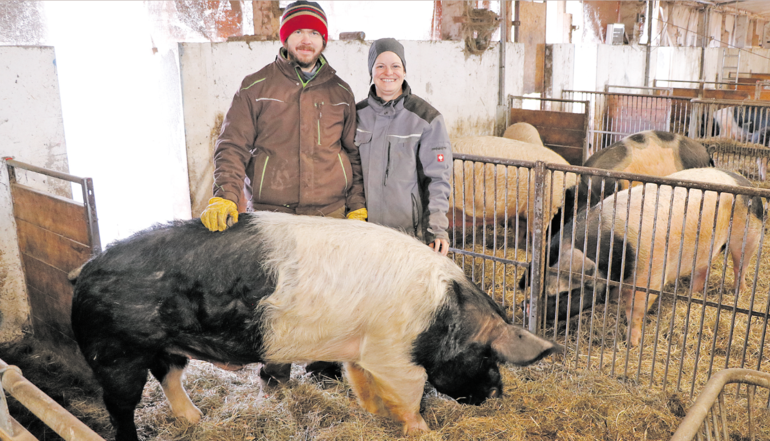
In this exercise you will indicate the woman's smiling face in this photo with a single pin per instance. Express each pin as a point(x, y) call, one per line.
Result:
point(388, 75)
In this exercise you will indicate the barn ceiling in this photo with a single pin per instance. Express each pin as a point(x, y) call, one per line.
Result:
point(759, 7)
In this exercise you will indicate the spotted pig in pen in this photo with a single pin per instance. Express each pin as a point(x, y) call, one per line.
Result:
point(283, 288)
point(651, 152)
point(646, 237)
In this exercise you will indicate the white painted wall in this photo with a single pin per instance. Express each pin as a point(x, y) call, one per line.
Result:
point(463, 88)
point(676, 63)
point(562, 70)
point(121, 101)
point(32, 131)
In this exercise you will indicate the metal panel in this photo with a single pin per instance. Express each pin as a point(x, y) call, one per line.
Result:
point(687, 334)
point(56, 235)
point(613, 116)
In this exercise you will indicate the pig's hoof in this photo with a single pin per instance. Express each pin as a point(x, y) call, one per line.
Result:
point(415, 427)
point(191, 413)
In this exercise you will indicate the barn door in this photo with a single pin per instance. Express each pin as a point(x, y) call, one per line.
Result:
point(56, 235)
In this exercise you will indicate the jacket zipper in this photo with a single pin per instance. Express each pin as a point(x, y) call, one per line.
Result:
point(262, 180)
point(344, 173)
point(387, 168)
point(318, 106)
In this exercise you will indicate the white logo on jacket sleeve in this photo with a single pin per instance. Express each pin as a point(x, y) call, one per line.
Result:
point(440, 157)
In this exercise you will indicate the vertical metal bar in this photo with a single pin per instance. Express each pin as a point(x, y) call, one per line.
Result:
point(663, 281)
point(741, 275)
point(722, 289)
point(89, 200)
point(749, 405)
point(536, 300)
point(620, 287)
point(609, 272)
point(698, 233)
point(503, 45)
point(5, 416)
point(676, 289)
point(649, 275)
point(636, 266)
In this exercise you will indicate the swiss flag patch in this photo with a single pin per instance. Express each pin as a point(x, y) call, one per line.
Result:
point(440, 158)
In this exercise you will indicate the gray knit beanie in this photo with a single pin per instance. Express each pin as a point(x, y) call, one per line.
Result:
point(385, 45)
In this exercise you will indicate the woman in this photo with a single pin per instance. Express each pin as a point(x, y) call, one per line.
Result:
point(405, 152)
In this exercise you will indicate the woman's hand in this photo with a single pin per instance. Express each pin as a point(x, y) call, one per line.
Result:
point(440, 246)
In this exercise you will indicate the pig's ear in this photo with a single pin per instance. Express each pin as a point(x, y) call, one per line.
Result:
point(516, 345)
point(571, 264)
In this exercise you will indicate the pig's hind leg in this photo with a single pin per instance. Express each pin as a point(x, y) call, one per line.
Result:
point(122, 380)
point(168, 369)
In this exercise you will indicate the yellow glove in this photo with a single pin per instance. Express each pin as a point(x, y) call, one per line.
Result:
point(214, 217)
point(360, 214)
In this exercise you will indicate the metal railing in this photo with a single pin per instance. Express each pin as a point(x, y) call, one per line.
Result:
point(686, 334)
point(613, 116)
point(87, 188)
point(40, 404)
point(708, 417)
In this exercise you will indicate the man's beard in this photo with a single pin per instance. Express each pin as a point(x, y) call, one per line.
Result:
point(302, 64)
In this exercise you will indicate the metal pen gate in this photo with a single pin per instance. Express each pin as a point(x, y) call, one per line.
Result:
point(613, 116)
point(737, 134)
point(500, 216)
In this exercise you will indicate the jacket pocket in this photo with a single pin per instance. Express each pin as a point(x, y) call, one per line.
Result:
point(331, 120)
point(362, 137)
point(402, 158)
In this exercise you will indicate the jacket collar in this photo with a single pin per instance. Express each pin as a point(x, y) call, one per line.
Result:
point(290, 69)
point(378, 105)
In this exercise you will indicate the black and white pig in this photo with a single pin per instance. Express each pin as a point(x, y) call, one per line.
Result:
point(651, 152)
point(283, 288)
point(749, 124)
point(583, 271)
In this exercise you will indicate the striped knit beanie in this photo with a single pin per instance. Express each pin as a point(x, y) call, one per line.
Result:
point(303, 15)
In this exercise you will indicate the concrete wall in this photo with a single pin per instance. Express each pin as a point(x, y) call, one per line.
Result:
point(676, 63)
point(32, 131)
point(463, 88)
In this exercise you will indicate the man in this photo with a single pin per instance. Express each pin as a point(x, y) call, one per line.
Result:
point(287, 142)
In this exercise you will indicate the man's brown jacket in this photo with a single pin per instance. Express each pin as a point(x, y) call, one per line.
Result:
point(291, 143)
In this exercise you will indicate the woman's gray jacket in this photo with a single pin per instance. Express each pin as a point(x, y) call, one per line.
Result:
point(406, 159)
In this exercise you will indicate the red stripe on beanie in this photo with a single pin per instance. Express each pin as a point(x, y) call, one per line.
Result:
point(303, 17)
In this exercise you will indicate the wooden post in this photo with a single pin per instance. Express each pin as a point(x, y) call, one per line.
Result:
point(267, 19)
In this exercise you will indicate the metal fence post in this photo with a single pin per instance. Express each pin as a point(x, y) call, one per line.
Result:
point(538, 250)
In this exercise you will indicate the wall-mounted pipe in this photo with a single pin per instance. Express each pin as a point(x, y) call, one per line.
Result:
point(45, 408)
point(503, 41)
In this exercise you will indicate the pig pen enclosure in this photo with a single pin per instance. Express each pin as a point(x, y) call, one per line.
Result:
point(601, 388)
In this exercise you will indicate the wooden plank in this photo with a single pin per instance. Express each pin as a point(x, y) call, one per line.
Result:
point(548, 118)
point(47, 319)
point(726, 94)
point(53, 249)
point(685, 93)
point(59, 215)
point(573, 155)
point(572, 138)
point(47, 279)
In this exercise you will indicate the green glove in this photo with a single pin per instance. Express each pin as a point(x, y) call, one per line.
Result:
point(214, 217)
point(360, 214)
